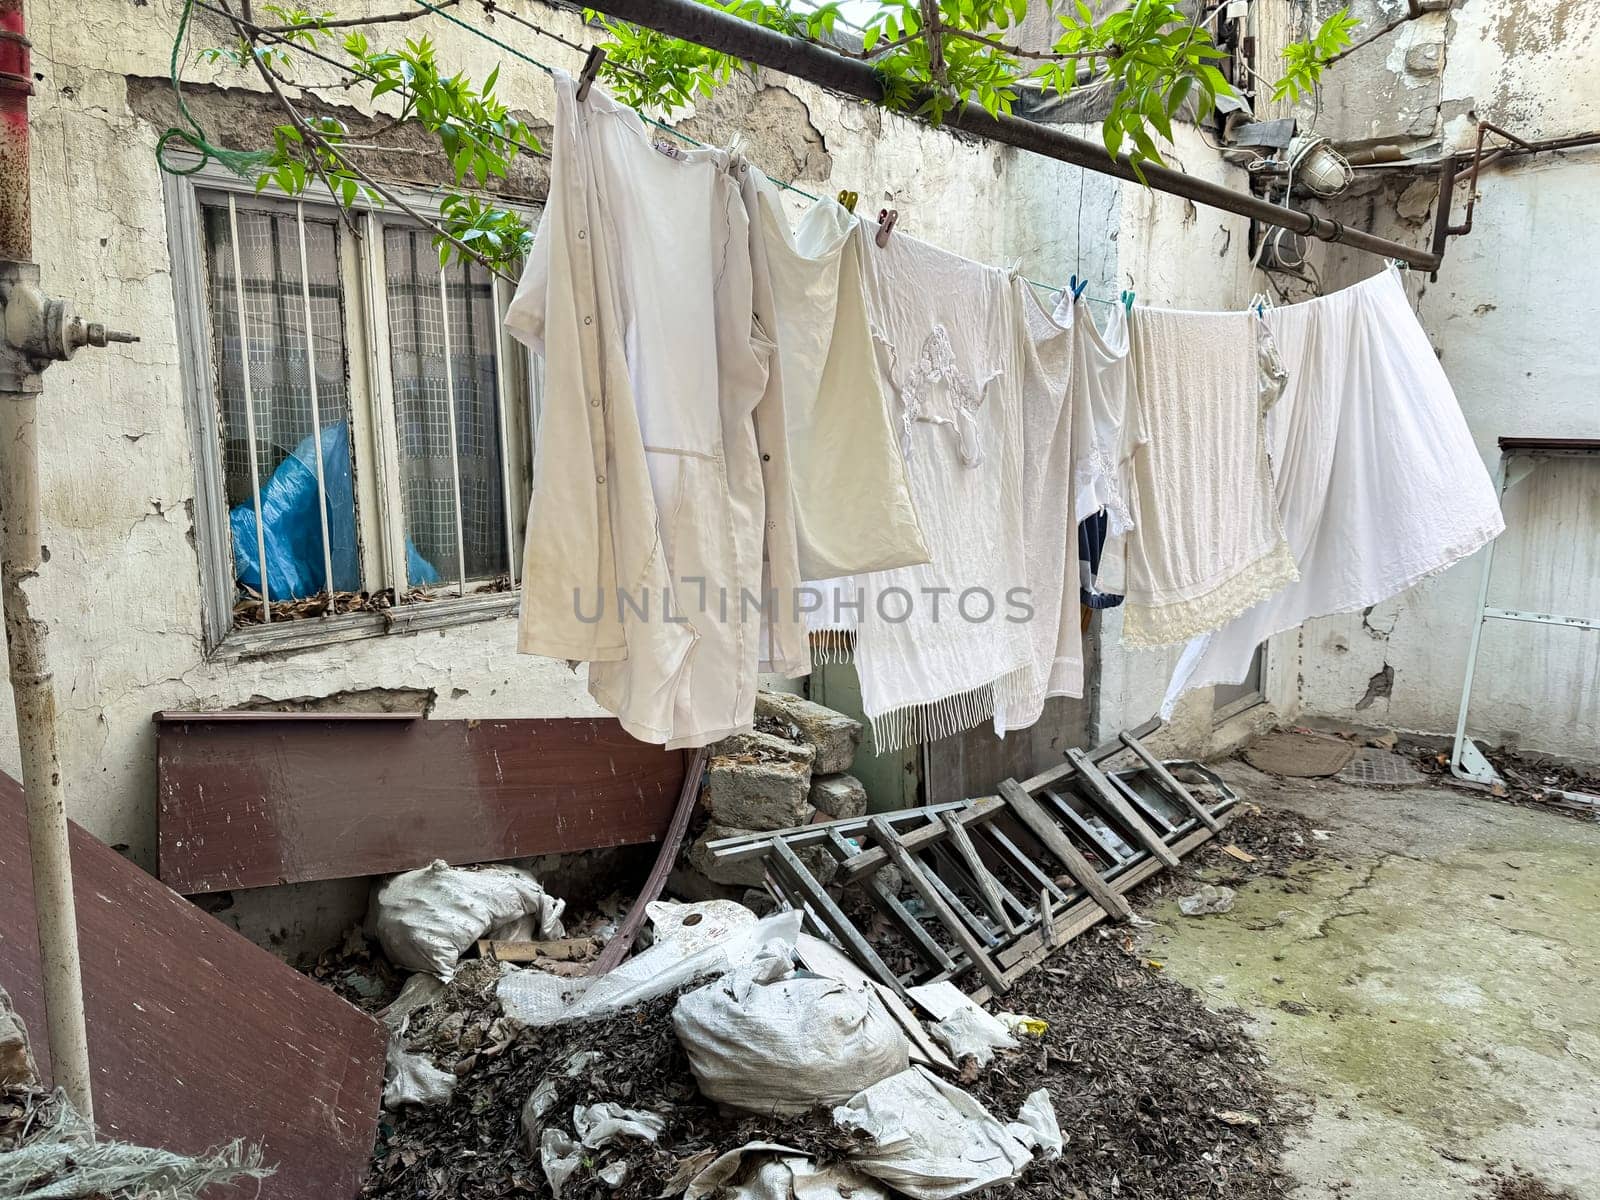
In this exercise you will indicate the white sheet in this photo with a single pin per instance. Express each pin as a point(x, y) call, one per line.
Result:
point(1377, 479)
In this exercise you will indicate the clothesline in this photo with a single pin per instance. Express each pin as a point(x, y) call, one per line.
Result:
point(677, 133)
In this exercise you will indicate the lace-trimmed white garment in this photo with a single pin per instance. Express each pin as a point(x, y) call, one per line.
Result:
point(929, 669)
point(1207, 542)
point(1377, 478)
point(1049, 420)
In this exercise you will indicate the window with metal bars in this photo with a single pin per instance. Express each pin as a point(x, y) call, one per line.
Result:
point(362, 423)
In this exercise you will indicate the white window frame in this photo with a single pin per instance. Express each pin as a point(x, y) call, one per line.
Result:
point(380, 514)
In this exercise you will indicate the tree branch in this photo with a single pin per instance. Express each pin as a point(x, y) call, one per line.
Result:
point(343, 22)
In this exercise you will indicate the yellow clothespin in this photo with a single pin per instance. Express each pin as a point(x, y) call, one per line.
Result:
point(848, 199)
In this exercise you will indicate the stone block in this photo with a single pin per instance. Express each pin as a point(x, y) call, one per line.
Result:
point(834, 735)
point(16, 1061)
point(840, 796)
point(750, 872)
point(757, 781)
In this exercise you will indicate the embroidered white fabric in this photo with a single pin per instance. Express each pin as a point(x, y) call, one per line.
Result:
point(1207, 542)
point(1377, 478)
point(928, 668)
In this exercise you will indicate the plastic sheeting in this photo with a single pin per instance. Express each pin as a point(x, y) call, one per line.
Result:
point(293, 527)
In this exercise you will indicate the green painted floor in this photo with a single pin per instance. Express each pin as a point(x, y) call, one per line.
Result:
point(1432, 986)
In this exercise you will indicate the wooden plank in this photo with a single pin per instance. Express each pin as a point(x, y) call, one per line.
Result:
point(559, 950)
point(913, 873)
point(1168, 781)
point(1111, 852)
point(287, 797)
point(1071, 858)
point(1112, 799)
point(622, 941)
point(754, 845)
point(874, 857)
point(1032, 950)
point(830, 914)
point(197, 1036)
point(1099, 754)
point(1028, 868)
point(988, 888)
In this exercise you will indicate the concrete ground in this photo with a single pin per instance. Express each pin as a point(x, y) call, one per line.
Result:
point(1432, 984)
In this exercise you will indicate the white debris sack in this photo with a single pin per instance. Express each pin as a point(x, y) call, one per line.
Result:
point(928, 1139)
point(560, 1155)
point(787, 1045)
point(607, 1122)
point(1036, 1126)
point(539, 998)
point(780, 1173)
point(413, 1079)
point(971, 1031)
point(697, 925)
point(426, 919)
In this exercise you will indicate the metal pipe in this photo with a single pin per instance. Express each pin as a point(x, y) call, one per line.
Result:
point(505, 437)
point(249, 408)
point(22, 554)
point(816, 64)
point(316, 412)
point(455, 449)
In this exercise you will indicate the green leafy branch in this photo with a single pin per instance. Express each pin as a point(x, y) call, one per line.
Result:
point(477, 133)
point(933, 55)
point(1304, 62)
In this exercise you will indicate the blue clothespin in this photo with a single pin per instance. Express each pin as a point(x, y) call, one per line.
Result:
point(1261, 310)
point(1079, 287)
point(1127, 303)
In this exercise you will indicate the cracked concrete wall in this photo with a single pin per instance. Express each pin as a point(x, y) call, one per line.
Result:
point(1525, 65)
point(122, 589)
point(1511, 317)
point(1512, 320)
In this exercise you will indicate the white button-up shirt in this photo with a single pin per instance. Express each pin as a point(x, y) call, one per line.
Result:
point(644, 538)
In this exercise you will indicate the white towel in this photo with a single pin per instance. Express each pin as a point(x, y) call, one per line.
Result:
point(1377, 478)
point(1049, 411)
point(1207, 542)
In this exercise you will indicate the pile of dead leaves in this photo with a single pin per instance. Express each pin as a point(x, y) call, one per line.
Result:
point(1529, 779)
point(1161, 1098)
point(476, 1147)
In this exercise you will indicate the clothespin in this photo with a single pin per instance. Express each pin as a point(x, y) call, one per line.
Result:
point(848, 199)
point(886, 219)
point(1127, 303)
point(1079, 287)
point(591, 67)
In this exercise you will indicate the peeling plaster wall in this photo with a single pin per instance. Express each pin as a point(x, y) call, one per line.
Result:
point(1526, 65)
point(122, 586)
point(1512, 319)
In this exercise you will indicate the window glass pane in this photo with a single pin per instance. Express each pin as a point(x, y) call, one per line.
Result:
point(417, 349)
point(280, 389)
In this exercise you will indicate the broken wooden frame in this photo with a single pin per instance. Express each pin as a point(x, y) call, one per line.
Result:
point(991, 887)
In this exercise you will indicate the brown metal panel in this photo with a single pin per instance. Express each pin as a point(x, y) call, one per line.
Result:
point(251, 803)
point(196, 1036)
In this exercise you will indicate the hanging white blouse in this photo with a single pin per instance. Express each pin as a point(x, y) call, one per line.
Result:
point(1049, 418)
point(940, 645)
point(1102, 440)
point(645, 525)
point(1207, 542)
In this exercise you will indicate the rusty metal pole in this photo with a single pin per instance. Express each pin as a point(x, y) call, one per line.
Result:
point(37, 331)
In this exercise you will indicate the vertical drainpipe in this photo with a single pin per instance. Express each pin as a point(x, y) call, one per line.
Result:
point(36, 331)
